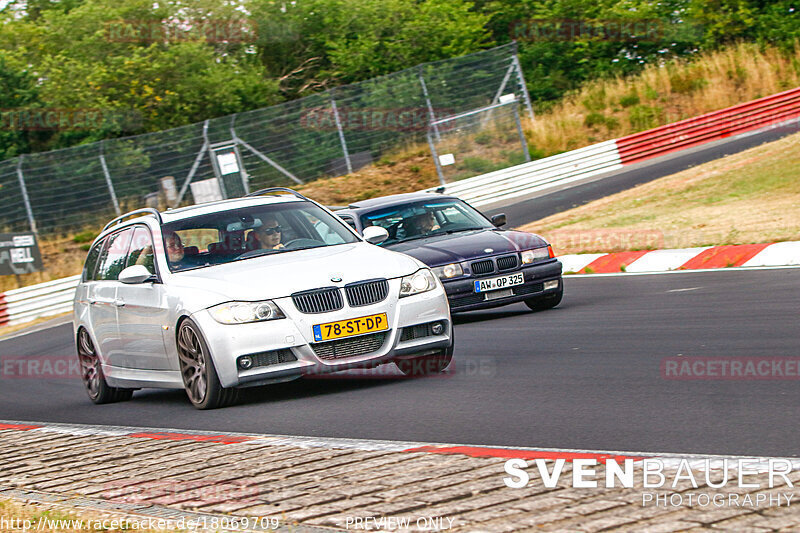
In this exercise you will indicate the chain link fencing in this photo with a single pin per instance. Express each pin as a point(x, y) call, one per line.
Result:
point(478, 141)
point(323, 135)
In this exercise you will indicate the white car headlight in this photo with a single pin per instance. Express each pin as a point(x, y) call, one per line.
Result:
point(537, 254)
point(421, 281)
point(448, 271)
point(244, 312)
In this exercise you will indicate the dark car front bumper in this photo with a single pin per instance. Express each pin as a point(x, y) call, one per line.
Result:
point(462, 296)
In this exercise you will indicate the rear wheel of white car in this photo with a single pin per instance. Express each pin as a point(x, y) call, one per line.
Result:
point(92, 374)
point(197, 369)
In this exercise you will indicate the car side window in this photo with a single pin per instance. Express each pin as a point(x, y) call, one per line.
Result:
point(350, 222)
point(142, 250)
point(90, 265)
point(114, 254)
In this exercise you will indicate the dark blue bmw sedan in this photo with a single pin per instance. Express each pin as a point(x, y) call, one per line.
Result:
point(480, 265)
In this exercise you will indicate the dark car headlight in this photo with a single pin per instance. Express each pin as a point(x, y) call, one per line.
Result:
point(448, 271)
point(537, 254)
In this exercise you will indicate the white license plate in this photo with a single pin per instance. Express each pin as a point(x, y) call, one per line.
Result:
point(496, 295)
point(502, 282)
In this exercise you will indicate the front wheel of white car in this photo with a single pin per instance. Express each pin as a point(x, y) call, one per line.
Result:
point(92, 374)
point(197, 369)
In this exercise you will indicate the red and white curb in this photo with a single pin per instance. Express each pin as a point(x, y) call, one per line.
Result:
point(669, 460)
point(701, 258)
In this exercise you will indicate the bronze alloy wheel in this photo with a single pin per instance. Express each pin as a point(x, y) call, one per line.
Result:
point(90, 365)
point(197, 369)
point(193, 364)
point(92, 374)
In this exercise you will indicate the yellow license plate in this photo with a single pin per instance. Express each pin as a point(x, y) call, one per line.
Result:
point(348, 328)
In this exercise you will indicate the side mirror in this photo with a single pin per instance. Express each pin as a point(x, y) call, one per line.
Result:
point(135, 274)
point(499, 220)
point(375, 234)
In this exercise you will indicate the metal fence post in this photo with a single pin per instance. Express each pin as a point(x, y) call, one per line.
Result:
point(195, 165)
point(264, 158)
point(428, 102)
point(436, 158)
point(341, 135)
point(243, 170)
point(108, 178)
point(521, 80)
point(21, 178)
point(522, 138)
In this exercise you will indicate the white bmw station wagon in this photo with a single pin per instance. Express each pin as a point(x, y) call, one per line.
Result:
point(247, 292)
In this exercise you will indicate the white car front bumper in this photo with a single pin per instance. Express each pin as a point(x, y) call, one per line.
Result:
point(269, 341)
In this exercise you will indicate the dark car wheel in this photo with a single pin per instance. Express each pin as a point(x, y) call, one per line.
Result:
point(546, 302)
point(92, 374)
point(197, 369)
point(427, 364)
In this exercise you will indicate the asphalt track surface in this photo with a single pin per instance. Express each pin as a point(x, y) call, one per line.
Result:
point(585, 375)
point(523, 210)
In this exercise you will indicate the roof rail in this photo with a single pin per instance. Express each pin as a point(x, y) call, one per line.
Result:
point(143, 211)
point(275, 190)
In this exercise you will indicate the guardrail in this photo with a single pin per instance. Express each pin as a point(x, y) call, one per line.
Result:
point(37, 301)
point(540, 174)
point(709, 127)
point(608, 156)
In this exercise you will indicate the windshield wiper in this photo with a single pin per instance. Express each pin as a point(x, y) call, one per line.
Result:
point(463, 229)
point(438, 233)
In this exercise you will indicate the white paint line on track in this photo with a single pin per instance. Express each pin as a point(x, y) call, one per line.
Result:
point(685, 290)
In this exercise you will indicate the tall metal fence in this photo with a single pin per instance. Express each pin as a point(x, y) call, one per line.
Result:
point(323, 135)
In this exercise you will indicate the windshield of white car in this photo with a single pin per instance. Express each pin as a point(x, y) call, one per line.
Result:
point(239, 234)
point(425, 219)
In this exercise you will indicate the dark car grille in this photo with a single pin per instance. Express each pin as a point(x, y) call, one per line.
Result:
point(366, 292)
point(528, 289)
point(352, 347)
point(507, 262)
point(274, 357)
point(482, 267)
point(318, 300)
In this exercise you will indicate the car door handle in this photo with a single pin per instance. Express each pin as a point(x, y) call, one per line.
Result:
point(119, 302)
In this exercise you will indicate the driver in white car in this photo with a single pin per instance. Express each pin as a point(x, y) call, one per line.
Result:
point(269, 235)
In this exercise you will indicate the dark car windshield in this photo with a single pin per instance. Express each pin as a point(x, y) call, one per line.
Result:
point(239, 234)
point(424, 219)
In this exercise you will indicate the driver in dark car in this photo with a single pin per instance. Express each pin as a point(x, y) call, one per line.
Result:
point(426, 223)
point(269, 235)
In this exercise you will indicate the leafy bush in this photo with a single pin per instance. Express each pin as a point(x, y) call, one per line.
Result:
point(84, 236)
point(629, 100)
point(644, 117)
point(593, 120)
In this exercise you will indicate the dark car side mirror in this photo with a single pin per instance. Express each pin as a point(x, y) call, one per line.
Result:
point(499, 220)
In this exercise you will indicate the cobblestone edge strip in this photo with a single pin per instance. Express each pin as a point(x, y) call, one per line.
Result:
point(319, 482)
